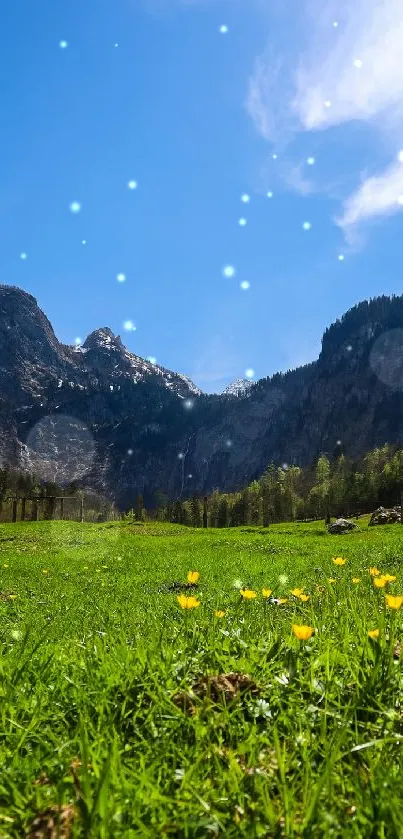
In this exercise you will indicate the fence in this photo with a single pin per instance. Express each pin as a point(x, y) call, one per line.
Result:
point(69, 507)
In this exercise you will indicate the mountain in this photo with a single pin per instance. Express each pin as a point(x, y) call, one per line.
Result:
point(102, 415)
point(239, 387)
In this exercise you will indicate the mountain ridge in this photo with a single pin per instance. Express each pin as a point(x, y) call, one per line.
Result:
point(152, 431)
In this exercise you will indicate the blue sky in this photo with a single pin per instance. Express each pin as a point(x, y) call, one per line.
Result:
point(153, 91)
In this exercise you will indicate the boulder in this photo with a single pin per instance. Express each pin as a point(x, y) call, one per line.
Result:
point(341, 526)
point(384, 516)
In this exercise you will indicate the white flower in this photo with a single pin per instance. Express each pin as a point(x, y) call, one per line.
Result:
point(262, 708)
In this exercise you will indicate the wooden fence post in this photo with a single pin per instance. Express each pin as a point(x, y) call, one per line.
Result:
point(35, 509)
point(205, 511)
point(81, 509)
point(14, 517)
point(23, 502)
point(61, 507)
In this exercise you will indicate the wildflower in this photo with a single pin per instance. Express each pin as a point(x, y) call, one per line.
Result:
point(219, 613)
point(331, 580)
point(374, 571)
point(188, 602)
point(266, 592)
point(380, 582)
point(394, 601)
point(5, 565)
point(12, 596)
point(283, 579)
point(44, 571)
point(297, 591)
point(303, 633)
point(356, 580)
point(16, 634)
point(390, 578)
point(338, 560)
point(193, 576)
point(85, 567)
point(373, 633)
point(238, 584)
point(304, 597)
point(282, 600)
point(248, 594)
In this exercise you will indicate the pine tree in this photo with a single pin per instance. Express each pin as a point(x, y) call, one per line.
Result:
point(139, 508)
point(222, 515)
point(195, 512)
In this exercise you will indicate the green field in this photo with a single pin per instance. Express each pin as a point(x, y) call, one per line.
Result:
point(95, 648)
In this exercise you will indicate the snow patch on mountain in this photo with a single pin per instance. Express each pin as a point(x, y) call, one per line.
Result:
point(239, 387)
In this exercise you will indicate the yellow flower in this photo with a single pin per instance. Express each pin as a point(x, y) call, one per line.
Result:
point(304, 597)
point(266, 592)
point(373, 633)
point(390, 578)
point(44, 571)
point(297, 591)
point(12, 596)
point(248, 594)
point(302, 632)
point(331, 580)
point(374, 571)
point(5, 565)
point(219, 613)
point(188, 602)
point(85, 567)
point(338, 560)
point(193, 576)
point(282, 600)
point(356, 580)
point(394, 601)
point(380, 582)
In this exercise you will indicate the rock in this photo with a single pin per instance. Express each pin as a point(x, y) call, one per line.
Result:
point(341, 526)
point(384, 516)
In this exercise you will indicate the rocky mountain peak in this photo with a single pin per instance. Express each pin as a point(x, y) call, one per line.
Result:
point(239, 387)
point(103, 338)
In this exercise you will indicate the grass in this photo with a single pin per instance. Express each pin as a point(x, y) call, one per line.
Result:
point(95, 648)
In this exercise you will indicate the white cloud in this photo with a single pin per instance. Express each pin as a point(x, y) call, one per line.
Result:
point(377, 196)
point(358, 69)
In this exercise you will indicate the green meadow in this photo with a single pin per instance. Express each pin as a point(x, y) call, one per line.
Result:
point(116, 718)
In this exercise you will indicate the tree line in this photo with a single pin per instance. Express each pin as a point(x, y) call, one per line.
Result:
point(334, 487)
point(290, 493)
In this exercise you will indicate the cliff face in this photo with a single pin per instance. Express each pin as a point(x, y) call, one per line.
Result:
point(106, 417)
